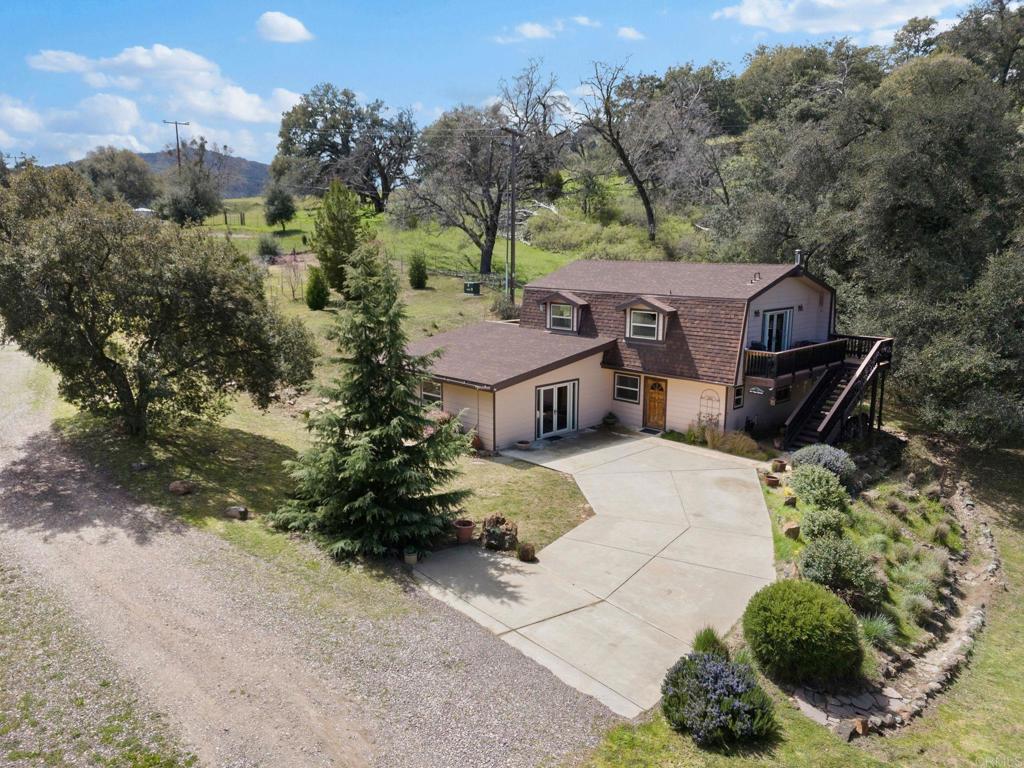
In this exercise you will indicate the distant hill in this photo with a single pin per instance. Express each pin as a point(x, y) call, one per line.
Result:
point(245, 178)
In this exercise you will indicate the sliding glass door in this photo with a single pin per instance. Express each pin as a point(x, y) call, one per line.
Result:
point(556, 409)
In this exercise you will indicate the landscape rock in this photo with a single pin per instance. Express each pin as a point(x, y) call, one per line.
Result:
point(237, 512)
point(844, 730)
point(182, 487)
point(789, 501)
point(791, 530)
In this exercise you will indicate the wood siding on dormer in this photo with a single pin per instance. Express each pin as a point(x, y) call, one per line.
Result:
point(702, 339)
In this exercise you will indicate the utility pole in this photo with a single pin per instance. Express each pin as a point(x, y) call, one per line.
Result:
point(516, 135)
point(177, 141)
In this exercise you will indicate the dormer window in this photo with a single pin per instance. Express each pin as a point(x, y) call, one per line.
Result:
point(561, 317)
point(562, 310)
point(646, 318)
point(643, 324)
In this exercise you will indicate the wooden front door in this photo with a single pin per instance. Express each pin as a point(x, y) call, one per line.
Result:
point(655, 394)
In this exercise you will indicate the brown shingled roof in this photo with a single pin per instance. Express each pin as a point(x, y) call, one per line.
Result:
point(496, 355)
point(666, 278)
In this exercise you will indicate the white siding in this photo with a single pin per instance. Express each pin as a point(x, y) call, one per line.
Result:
point(474, 407)
point(682, 405)
point(516, 405)
point(767, 418)
point(809, 324)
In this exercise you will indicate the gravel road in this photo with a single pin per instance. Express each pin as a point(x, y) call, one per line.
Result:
point(247, 673)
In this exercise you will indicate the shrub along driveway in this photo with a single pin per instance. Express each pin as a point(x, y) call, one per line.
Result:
point(680, 539)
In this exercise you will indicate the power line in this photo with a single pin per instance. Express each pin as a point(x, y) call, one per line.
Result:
point(177, 141)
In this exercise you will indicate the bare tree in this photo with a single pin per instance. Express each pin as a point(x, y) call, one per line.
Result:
point(463, 169)
point(617, 108)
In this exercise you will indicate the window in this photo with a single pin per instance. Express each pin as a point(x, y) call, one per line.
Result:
point(643, 324)
point(782, 395)
point(627, 388)
point(737, 398)
point(431, 392)
point(560, 317)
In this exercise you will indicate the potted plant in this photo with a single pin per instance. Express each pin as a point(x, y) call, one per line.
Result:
point(610, 419)
point(410, 555)
point(463, 530)
point(772, 481)
point(778, 465)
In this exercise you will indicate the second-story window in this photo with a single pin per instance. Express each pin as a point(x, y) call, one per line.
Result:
point(560, 317)
point(643, 324)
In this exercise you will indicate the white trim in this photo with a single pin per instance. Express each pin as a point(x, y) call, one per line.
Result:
point(657, 325)
point(566, 389)
point(551, 317)
point(638, 388)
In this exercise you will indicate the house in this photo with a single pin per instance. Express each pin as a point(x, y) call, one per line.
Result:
point(663, 346)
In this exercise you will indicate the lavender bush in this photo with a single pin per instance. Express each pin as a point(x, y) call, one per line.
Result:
point(716, 701)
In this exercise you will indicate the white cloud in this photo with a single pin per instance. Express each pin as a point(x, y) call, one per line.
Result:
point(6, 140)
point(586, 21)
point(182, 79)
point(281, 28)
point(17, 117)
point(531, 30)
point(630, 33)
point(819, 17)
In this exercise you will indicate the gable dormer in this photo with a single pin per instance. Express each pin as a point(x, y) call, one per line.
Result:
point(646, 318)
point(562, 311)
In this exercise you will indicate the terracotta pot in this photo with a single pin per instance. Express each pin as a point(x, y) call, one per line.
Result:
point(464, 530)
point(772, 481)
point(778, 465)
point(411, 558)
point(523, 445)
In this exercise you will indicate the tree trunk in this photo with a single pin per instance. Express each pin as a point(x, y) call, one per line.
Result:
point(135, 420)
point(487, 250)
point(638, 184)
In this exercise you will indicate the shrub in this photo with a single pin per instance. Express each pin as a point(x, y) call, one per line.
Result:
point(902, 552)
point(840, 565)
point(819, 487)
point(917, 607)
point(267, 247)
point(740, 444)
point(878, 630)
point(799, 632)
point(708, 640)
point(718, 702)
point(317, 292)
point(835, 460)
point(418, 271)
point(504, 307)
point(877, 542)
point(819, 523)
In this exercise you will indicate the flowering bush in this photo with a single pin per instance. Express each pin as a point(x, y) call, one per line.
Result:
point(716, 701)
point(835, 460)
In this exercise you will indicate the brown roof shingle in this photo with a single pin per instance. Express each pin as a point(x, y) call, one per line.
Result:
point(666, 278)
point(496, 355)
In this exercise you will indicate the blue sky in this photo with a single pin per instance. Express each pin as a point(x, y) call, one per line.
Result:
point(78, 73)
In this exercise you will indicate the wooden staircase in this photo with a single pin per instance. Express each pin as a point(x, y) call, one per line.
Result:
point(823, 414)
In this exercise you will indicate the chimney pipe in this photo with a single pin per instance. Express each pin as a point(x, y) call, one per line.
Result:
point(799, 257)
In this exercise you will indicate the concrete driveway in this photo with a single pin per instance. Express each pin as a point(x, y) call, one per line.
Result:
point(680, 539)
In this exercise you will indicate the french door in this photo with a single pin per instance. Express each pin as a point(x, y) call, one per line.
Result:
point(556, 409)
point(777, 329)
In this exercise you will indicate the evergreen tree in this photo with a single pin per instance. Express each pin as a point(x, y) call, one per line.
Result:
point(317, 292)
point(337, 230)
point(377, 478)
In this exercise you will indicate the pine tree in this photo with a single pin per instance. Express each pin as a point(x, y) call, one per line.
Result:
point(337, 230)
point(378, 476)
point(317, 292)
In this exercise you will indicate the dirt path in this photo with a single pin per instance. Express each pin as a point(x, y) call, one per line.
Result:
point(230, 651)
point(181, 611)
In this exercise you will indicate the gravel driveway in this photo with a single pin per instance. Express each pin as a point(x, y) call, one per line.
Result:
point(228, 647)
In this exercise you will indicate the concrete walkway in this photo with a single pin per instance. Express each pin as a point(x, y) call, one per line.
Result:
point(680, 539)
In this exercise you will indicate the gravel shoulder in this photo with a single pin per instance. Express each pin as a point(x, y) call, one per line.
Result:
point(249, 667)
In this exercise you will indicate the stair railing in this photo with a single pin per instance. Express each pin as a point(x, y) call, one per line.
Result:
point(880, 354)
point(812, 400)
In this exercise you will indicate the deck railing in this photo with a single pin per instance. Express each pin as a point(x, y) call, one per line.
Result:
point(772, 365)
point(879, 355)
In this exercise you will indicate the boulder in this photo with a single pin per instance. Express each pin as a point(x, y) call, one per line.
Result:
point(237, 512)
point(861, 726)
point(499, 533)
point(844, 730)
point(789, 501)
point(182, 487)
point(791, 530)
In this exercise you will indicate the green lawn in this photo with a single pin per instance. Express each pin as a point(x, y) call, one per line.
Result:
point(246, 237)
